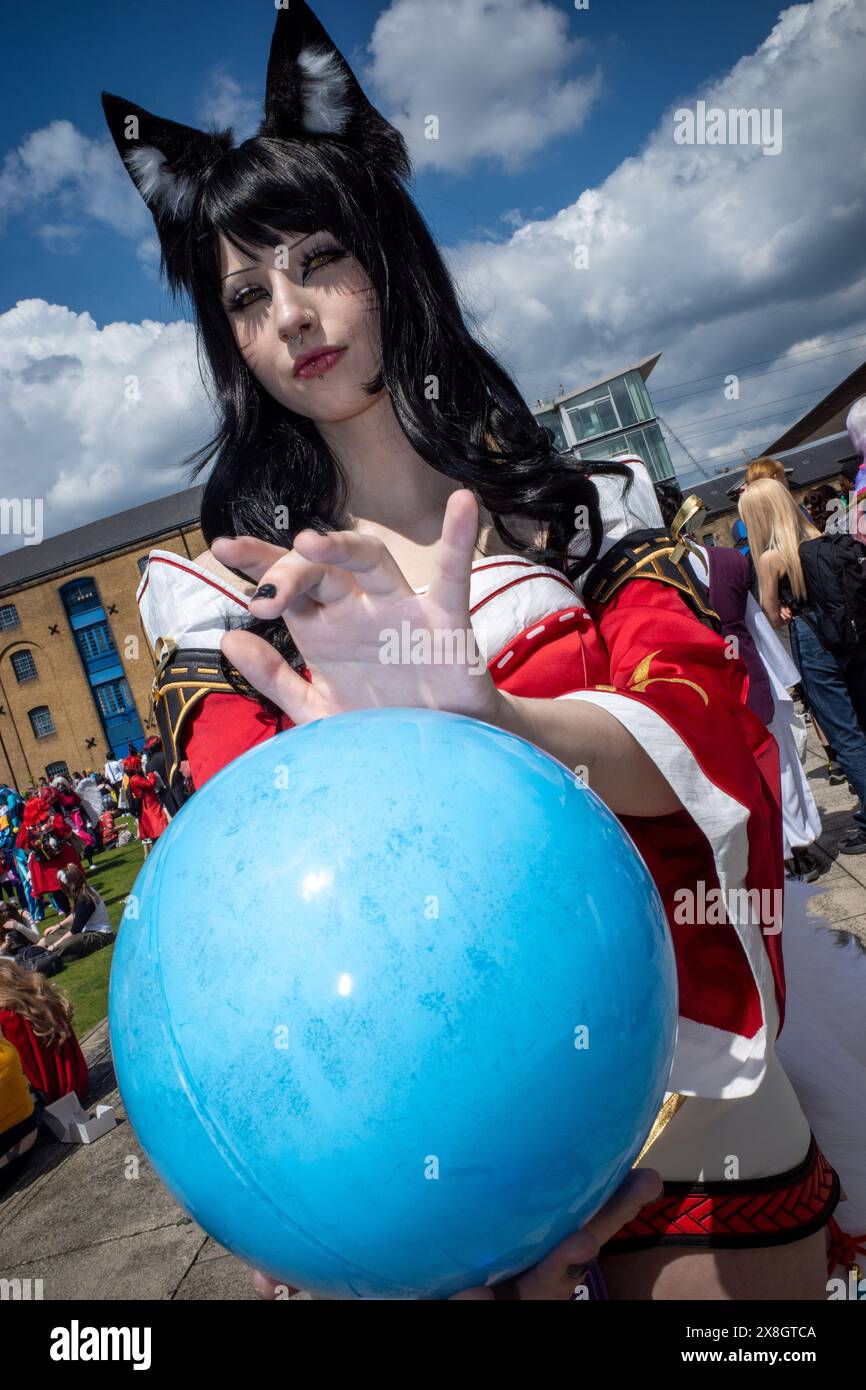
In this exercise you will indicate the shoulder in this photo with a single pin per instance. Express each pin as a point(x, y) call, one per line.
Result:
point(189, 602)
point(770, 563)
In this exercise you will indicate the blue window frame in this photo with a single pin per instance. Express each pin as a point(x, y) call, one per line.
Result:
point(95, 641)
point(115, 697)
point(9, 615)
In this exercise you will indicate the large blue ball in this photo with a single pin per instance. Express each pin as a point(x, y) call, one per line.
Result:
point(393, 1005)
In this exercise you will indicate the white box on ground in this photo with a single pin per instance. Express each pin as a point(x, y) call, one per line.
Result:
point(72, 1125)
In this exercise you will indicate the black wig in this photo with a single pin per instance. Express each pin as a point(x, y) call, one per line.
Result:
point(324, 160)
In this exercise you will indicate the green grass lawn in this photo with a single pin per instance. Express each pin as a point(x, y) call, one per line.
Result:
point(85, 982)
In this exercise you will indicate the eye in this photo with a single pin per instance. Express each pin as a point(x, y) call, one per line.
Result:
point(242, 299)
point(250, 294)
point(329, 253)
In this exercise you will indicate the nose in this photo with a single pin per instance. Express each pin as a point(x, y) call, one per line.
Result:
point(291, 313)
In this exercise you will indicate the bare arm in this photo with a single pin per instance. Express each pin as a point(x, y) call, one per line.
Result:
point(769, 573)
point(583, 735)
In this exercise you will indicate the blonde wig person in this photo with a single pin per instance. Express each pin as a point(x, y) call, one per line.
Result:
point(835, 685)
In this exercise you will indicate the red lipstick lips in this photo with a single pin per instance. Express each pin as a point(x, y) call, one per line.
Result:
point(317, 361)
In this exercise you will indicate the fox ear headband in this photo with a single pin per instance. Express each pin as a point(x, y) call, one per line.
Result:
point(311, 92)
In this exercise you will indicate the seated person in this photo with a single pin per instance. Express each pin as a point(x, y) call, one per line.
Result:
point(108, 829)
point(87, 927)
point(16, 930)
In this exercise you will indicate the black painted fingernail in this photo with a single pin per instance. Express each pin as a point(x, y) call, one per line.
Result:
point(576, 1272)
point(266, 591)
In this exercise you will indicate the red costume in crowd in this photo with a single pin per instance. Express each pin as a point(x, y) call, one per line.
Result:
point(55, 1071)
point(153, 819)
point(41, 819)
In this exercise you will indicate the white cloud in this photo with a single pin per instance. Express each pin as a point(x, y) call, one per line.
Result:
point(225, 104)
point(80, 176)
point(498, 75)
point(83, 179)
point(72, 431)
point(715, 255)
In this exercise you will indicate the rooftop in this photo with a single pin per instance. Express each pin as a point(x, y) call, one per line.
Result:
point(136, 525)
point(810, 463)
point(840, 398)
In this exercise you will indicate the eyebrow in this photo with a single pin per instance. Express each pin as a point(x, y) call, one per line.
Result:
point(246, 268)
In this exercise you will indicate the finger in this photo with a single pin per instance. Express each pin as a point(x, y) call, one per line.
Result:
point(288, 570)
point(367, 558)
point(246, 553)
point(300, 586)
point(556, 1275)
point(267, 672)
point(643, 1185)
point(452, 559)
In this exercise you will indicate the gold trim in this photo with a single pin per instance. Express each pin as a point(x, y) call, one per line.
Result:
point(640, 678)
point(198, 694)
point(661, 1122)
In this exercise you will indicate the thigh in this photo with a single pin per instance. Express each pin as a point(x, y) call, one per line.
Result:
point(73, 948)
point(825, 684)
point(93, 941)
point(855, 680)
point(796, 1271)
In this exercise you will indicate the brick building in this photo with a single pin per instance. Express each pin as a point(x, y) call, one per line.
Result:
point(75, 666)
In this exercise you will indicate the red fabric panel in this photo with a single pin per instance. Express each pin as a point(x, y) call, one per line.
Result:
point(53, 1070)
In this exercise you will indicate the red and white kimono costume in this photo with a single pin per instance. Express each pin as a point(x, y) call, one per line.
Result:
point(653, 666)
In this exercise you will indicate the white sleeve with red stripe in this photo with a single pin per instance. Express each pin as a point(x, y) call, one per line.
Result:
point(181, 602)
point(709, 1061)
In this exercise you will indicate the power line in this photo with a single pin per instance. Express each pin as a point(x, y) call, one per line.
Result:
point(804, 362)
point(744, 425)
point(685, 450)
point(714, 377)
point(726, 414)
point(747, 366)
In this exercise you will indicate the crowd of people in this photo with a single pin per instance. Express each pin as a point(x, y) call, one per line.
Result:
point(791, 593)
point(49, 840)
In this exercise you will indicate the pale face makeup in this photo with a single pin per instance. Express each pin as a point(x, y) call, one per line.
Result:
point(309, 279)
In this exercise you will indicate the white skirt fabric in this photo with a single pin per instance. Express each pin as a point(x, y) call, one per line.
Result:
point(801, 823)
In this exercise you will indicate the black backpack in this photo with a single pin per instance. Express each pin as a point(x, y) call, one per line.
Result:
point(135, 805)
point(834, 569)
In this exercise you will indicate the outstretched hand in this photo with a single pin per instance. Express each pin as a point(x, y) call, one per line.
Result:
point(350, 611)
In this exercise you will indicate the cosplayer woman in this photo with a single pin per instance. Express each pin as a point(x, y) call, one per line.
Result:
point(153, 819)
point(374, 464)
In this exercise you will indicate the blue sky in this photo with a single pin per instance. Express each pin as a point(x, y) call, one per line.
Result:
point(559, 127)
point(161, 55)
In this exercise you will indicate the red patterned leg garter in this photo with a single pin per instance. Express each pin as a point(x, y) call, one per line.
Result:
point(725, 1215)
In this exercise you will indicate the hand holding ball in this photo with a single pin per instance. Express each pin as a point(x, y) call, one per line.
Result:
point(393, 1007)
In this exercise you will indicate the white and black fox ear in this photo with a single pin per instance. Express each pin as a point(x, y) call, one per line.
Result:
point(165, 161)
point(311, 90)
